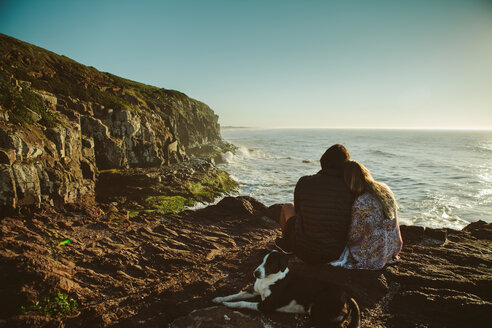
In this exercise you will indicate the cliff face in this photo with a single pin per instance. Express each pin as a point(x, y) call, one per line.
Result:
point(61, 122)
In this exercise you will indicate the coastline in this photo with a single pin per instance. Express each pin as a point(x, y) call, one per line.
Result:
point(96, 173)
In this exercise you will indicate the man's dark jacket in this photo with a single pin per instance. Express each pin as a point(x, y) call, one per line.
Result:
point(323, 205)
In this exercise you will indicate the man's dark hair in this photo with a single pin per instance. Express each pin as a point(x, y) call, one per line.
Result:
point(334, 157)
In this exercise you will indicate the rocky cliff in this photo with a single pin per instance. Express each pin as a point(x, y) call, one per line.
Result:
point(62, 122)
point(158, 270)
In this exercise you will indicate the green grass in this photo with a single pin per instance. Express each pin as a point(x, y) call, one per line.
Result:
point(134, 214)
point(58, 306)
point(20, 103)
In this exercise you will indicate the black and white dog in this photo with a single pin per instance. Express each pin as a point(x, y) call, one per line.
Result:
point(284, 291)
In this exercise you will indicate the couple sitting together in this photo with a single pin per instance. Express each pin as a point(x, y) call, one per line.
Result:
point(341, 216)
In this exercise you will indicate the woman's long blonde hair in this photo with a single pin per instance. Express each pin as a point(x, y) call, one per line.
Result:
point(359, 180)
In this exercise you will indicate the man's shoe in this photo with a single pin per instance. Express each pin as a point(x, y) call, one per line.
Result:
point(281, 244)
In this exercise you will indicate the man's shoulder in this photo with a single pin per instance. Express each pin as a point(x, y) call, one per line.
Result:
point(309, 177)
point(321, 176)
point(319, 180)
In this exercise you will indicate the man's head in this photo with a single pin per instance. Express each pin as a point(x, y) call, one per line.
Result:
point(334, 157)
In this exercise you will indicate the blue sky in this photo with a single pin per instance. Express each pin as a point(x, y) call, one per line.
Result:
point(393, 64)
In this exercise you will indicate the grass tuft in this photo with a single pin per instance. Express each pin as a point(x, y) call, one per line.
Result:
point(21, 104)
point(59, 306)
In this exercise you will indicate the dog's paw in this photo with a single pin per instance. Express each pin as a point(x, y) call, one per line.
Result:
point(242, 305)
point(218, 300)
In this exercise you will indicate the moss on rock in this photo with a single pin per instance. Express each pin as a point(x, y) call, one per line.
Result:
point(168, 204)
point(206, 189)
point(209, 188)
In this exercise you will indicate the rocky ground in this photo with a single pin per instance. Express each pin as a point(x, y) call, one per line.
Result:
point(156, 270)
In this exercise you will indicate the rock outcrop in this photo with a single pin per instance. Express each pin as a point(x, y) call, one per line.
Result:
point(165, 189)
point(61, 122)
point(153, 270)
point(53, 166)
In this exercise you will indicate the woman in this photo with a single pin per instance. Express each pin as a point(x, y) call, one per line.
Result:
point(374, 237)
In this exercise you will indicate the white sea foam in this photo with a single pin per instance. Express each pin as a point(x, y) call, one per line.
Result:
point(440, 179)
point(243, 152)
point(228, 157)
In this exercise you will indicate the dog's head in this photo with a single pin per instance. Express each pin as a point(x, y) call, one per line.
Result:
point(274, 262)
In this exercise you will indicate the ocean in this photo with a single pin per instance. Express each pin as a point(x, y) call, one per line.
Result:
point(441, 178)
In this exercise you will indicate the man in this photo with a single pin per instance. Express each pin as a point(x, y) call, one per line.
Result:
point(315, 227)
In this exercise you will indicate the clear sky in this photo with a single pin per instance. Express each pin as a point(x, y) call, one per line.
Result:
point(391, 64)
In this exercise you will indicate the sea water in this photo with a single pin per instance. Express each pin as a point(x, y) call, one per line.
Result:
point(440, 178)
